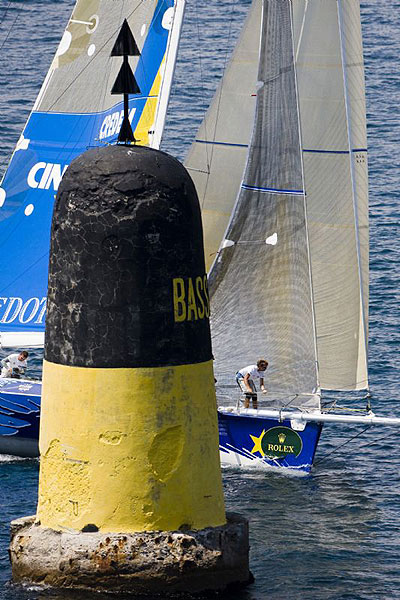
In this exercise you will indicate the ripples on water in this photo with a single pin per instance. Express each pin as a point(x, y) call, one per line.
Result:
point(335, 534)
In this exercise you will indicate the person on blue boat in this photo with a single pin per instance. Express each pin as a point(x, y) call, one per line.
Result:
point(14, 365)
point(245, 380)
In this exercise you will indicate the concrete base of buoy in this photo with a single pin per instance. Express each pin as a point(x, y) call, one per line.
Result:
point(147, 562)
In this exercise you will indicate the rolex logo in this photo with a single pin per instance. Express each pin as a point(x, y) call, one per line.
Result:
point(277, 443)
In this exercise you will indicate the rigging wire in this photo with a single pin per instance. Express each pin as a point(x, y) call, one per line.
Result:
point(375, 441)
point(19, 8)
point(325, 456)
point(5, 13)
point(346, 408)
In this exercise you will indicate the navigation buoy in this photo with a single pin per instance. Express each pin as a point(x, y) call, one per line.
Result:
point(130, 479)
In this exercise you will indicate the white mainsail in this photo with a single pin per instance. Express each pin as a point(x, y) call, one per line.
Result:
point(261, 291)
point(301, 301)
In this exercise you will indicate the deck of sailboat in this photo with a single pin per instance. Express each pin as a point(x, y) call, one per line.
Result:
point(305, 402)
point(300, 416)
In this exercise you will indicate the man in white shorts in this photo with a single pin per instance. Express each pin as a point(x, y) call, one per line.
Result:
point(14, 365)
point(245, 380)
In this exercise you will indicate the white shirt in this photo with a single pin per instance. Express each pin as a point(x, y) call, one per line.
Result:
point(252, 371)
point(13, 361)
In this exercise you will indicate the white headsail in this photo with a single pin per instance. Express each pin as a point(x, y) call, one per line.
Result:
point(217, 157)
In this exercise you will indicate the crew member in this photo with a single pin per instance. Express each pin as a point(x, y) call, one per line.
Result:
point(14, 365)
point(245, 380)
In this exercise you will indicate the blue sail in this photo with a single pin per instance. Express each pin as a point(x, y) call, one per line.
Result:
point(74, 111)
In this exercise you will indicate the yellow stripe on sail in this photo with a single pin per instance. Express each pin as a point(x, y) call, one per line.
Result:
point(146, 121)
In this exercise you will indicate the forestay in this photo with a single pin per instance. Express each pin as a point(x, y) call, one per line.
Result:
point(75, 111)
point(217, 157)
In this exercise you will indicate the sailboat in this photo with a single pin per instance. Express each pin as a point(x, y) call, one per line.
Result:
point(74, 110)
point(280, 166)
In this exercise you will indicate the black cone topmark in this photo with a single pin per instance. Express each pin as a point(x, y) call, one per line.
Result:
point(127, 284)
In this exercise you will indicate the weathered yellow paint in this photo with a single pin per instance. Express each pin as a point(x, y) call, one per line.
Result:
point(129, 449)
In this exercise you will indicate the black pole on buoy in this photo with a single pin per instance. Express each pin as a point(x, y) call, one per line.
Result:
point(125, 83)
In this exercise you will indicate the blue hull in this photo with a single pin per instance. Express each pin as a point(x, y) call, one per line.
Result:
point(244, 439)
point(19, 417)
point(263, 442)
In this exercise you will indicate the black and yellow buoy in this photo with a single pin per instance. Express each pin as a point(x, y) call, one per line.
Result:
point(129, 475)
point(126, 233)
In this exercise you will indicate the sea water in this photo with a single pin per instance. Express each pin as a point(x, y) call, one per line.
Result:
point(335, 534)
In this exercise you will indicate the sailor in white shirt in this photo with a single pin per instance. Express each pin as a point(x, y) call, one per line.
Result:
point(14, 365)
point(245, 380)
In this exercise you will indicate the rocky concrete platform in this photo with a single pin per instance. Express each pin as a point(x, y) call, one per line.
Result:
point(151, 562)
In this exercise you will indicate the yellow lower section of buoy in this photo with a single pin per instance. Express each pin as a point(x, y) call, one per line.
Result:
point(129, 449)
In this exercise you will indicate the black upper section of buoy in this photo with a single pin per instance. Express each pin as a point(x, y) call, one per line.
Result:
point(127, 285)
point(125, 44)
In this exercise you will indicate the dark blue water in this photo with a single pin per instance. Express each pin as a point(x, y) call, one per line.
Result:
point(335, 534)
